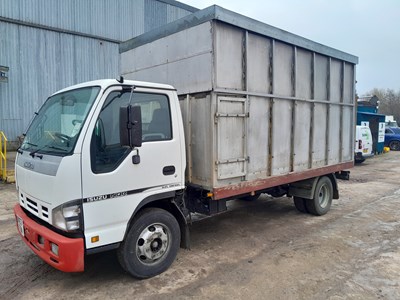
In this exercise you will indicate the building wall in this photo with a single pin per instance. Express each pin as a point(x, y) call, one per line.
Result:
point(42, 62)
point(51, 44)
point(114, 19)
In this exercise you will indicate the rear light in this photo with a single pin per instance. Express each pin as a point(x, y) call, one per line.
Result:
point(360, 144)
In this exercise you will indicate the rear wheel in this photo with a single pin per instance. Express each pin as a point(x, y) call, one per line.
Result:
point(322, 200)
point(394, 145)
point(151, 244)
point(300, 204)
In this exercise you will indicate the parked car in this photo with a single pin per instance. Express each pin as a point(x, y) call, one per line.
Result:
point(364, 143)
point(392, 138)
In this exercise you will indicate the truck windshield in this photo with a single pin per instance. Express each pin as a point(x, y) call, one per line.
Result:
point(56, 127)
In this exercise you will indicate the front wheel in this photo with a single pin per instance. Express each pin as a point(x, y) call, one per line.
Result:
point(151, 244)
point(394, 145)
point(322, 200)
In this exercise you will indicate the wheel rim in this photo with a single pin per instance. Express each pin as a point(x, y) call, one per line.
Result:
point(323, 196)
point(153, 243)
point(395, 145)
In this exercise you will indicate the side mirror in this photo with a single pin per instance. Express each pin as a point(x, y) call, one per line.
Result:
point(130, 126)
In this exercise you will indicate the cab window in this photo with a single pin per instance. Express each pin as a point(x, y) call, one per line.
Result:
point(106, 150)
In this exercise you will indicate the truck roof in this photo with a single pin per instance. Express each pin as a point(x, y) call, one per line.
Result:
point(220, 14)
point(104, 83)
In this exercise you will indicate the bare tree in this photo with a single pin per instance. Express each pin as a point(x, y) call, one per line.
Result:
point(389, 102)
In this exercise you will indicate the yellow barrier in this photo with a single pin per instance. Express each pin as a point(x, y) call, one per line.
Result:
point(3, 156)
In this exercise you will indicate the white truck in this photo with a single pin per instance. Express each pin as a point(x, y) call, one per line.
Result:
point(122, 164)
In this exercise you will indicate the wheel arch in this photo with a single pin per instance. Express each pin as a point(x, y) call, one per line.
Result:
point(163, 201)
point(335, 187)
point(306, 188)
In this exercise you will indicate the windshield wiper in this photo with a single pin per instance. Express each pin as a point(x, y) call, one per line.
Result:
point(20, 150)
point(57, 148)
point(30, 144)
point(33, 153)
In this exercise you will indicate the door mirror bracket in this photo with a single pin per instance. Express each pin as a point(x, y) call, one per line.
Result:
point(130, 126)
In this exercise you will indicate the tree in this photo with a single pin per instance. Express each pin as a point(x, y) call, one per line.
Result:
point(389, 102)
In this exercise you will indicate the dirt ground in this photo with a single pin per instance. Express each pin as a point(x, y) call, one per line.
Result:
point(259, 250)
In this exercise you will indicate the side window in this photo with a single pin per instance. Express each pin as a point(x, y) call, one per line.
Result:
point(156, 117)
point(106, 150)
point(388, 131)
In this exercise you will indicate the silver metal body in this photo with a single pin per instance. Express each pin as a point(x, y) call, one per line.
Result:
point(258, 103)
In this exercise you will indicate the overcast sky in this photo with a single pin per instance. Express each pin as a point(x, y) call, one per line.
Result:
point(369, 29)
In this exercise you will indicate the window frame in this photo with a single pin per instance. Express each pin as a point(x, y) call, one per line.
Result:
point(93, 152)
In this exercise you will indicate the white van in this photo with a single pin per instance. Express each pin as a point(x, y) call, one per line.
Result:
point(363, 146)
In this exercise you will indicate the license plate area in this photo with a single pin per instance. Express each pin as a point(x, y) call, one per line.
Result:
point(20, 223)
point(365, 150)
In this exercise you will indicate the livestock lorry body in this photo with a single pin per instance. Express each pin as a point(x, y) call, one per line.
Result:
point(123, 164)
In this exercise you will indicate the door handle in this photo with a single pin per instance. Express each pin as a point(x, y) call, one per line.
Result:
point(169, 170)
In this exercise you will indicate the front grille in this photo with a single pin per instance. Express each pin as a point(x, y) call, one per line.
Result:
point(45, 211)
point(35, 208)
point(32, 205)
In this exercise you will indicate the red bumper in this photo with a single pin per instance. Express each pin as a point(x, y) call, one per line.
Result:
point(70, 256)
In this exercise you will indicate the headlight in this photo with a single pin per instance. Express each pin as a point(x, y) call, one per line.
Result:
point(68, 216)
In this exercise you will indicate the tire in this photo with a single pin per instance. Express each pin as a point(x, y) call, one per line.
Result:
point(359, 161)
point(250, 198)
point(394, 145)
point(300, 204)
point(322, 200)
point(151, 243)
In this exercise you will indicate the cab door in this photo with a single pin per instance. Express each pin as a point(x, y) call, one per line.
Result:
point(113, 182)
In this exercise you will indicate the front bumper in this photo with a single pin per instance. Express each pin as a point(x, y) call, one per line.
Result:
point(70, 256)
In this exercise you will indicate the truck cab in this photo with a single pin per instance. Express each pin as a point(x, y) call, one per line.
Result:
point(83, 182)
